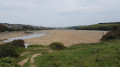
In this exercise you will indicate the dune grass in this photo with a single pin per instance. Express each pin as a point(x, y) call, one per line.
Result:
point(103, 54)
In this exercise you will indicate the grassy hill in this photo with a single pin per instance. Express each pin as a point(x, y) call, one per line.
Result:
point(99, 26)
point(103, 54)
point(105, 27)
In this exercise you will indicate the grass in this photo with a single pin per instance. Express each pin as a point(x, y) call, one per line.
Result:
point(36, 46)
point(32, 49)
point(8, 62)
point(103, 54)
point(106, 27)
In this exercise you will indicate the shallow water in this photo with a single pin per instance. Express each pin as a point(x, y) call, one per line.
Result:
point(34, 35)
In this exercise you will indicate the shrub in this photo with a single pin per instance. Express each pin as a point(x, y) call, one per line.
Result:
point(18, 43)
point(36, 46)
point(116, 29)
point(8, 50)
point(108, 36)
point(57, 46)
point(113, 34)
point(8, 60)
point(3, 28)
point(12, 49)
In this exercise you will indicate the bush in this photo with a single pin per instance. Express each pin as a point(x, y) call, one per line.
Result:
point(18, 43)
point(57, 46)
point(8, 62)
point(8, 50)
point(113, 34)
point(3, 28)
point(36, 46)
point(12, 49)
point(108, 36)
point(116, 29)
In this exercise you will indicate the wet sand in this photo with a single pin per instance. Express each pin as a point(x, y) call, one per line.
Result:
point(68, 37)
point(6, 35)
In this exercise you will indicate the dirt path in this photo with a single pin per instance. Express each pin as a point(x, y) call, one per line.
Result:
point(21, 63)
point(35, 55)
point(32, 59)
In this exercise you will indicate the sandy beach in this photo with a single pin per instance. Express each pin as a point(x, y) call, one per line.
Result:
point(68, 37)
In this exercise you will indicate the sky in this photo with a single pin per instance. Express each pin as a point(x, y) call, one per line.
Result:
point(59, 13)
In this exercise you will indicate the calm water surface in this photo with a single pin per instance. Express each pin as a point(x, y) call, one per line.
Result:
point(34, 35)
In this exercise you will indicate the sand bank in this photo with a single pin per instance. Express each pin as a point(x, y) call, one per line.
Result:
point(68, 37)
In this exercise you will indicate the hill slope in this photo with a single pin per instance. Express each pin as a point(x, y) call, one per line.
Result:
point(104, 54)
point(99, 26)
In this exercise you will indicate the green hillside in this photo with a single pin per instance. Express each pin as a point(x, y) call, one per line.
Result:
point(103, 54)
point(100, 26)
point(105, 27)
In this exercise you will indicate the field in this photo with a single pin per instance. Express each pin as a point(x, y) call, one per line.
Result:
point(104, 54)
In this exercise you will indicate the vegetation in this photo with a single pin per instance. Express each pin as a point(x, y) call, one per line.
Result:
point(14, 27)
point(8, 50)
point(57, 46)
point(18, 43)
point(36, 46)
point(30, 51)
point(8, 62)
point(113, 34)
point(12, 49)
point(3, 28)
point(103, 54)
point(105, 27)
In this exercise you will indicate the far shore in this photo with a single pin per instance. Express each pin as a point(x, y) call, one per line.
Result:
point(67, 37)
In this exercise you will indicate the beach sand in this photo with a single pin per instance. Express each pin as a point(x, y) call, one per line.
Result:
point(67, 37)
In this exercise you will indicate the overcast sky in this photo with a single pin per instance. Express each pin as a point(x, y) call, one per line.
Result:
point(59, 13)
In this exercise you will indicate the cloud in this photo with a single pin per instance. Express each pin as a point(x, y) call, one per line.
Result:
point(59, 12)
